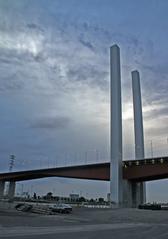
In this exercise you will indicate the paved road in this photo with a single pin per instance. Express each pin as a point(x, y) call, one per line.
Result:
point(28, 231)
point(85, 223)
point(119, 231)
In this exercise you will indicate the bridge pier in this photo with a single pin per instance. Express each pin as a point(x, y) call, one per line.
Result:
point(132, 194)
point(11, 190)
point(127, 193)
point(138, 189)
point(135, 193)
point(2, 188)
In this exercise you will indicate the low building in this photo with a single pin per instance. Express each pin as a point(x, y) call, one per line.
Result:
point(74, 197)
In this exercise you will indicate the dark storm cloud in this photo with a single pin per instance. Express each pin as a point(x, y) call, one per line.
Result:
point(51, 123)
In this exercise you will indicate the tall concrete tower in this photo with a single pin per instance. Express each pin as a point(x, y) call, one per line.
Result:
point(139, 188)
point(116, 178)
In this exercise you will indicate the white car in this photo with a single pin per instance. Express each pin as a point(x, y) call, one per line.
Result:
point(61, 208)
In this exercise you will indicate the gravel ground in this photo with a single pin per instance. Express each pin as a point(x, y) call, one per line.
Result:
point(85, 223)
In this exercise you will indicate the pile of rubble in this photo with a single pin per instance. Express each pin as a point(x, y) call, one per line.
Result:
point(34, 209)
point(43, 209)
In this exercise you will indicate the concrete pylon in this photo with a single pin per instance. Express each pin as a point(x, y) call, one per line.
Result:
point(2, 188)
point(139, 189)
point(11, 190)
point(116, 178)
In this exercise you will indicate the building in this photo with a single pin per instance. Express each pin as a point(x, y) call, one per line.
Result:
point(74, 197)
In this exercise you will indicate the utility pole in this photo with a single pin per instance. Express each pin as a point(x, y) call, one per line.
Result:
point(97, 155)
point(86, 156)
point(11, 162)
point(12, 184)
point(151, 149)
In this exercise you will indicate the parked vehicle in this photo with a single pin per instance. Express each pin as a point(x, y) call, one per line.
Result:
point(23, 207)
point(61, 208)
point(149, 206)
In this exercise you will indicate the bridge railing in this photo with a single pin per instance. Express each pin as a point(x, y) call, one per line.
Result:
point(140, 162)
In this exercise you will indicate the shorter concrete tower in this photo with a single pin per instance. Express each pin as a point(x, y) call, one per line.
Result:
point(139, 191)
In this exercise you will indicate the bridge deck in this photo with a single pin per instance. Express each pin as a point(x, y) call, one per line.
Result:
point(134, 170)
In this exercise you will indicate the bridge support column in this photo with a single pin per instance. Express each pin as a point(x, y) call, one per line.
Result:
point(138, 189)
point(11, 190)
point(116, 179)
point(127, 193)
point(2, 188)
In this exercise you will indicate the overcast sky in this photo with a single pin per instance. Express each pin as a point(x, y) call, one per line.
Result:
point(54, 84)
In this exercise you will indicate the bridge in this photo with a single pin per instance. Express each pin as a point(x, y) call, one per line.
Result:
point(126, 178)
point(133, 170)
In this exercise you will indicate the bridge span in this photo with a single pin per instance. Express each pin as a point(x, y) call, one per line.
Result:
point(133, 170)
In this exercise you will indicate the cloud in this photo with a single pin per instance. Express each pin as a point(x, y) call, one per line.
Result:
point(86, 43)
point(89, 74)
point(35, 27)
point(54, 78)
point(54, 123)
point(160, 113)
point(160, 131)
point(69, 62)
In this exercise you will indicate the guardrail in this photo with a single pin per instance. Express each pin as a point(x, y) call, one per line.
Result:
point(140, 162)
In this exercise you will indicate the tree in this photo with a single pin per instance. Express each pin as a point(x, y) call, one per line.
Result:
point(82, 199)
point(49, 195)
point(34, 196)
point(101, 200)
point(92, 200)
